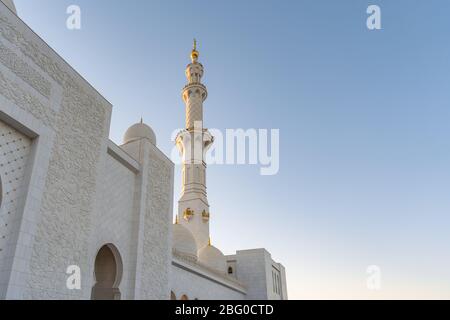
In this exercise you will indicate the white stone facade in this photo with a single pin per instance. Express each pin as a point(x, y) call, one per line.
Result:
point(70, 196)
point(72, 190)
point(264, 278)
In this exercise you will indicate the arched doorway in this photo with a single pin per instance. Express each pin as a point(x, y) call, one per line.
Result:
point(107, 274)
point(173, 296)
point(184, 297)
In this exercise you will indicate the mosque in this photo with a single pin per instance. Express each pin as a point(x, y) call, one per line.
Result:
point(69, 196)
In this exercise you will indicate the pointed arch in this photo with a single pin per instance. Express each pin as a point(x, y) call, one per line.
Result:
point(108, 269)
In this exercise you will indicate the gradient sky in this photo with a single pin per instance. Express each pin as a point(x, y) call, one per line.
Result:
point(363, 116)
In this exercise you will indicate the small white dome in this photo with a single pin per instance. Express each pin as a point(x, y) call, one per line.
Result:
point(139, 131)
point(10, 5)
point(213, 258)
point(184, 241)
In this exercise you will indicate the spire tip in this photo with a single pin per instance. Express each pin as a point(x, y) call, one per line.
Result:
point(194, 52)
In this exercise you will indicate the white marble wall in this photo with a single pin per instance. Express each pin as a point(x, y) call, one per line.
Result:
point(255, 268)
point(78, 196)
point(154, 206)
point(45, 99)
point(190, 282)
point(115, 219)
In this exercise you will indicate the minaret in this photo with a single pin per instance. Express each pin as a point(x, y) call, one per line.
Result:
point(193, 142)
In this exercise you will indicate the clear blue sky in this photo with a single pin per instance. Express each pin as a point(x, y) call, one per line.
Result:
point(363, 116)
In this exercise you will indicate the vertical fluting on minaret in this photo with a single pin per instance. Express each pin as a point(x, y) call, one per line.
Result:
point(193, 142)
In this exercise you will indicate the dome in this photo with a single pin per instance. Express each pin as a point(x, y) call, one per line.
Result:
point(213, 258)
point(138, 131)
point(10, 5)
point(184, 241)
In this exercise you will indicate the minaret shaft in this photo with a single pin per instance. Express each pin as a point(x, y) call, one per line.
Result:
point(193, 142)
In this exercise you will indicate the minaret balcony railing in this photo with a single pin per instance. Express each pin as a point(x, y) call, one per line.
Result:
point(194, 84)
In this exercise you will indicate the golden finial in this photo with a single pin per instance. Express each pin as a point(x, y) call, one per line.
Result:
point(209, 241)
point(194, 53)
point(188, 214)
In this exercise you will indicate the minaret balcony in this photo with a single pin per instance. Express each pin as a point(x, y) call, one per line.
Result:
point(195, 87)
